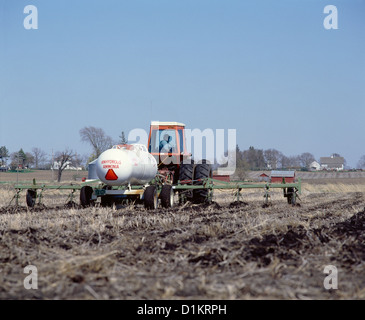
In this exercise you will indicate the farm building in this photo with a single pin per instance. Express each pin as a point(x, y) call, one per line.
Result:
point(314, 166)
point(332, 163)
point(222, 177)
point(68, 166)
point(264, 177)
point(282, 176)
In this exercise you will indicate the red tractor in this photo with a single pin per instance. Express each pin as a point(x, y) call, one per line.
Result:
point(167, 144)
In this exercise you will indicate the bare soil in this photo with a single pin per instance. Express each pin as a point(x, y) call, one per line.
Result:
point(226, 250)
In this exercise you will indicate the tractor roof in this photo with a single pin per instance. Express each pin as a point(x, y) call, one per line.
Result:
point(168, 123)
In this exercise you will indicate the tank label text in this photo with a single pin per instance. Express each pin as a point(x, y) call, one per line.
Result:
point(111, 164)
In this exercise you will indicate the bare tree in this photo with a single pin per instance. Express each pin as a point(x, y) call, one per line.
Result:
point(284, 162)
point(63, 159)
point(84, 160)
point(361, 163)
point(29, 160)
point(272, 158)
point(306, 159)
point(290, 162)
point(295, 161)
point(97, 138)
point(40, 157)
point(80, 160)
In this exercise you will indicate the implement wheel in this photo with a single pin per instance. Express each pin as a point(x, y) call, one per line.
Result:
point(31, 197)
point(202, 171)
point(106, 201)
point(150, 198)
point(290, 195)
point(85, 196)
point(167, 196)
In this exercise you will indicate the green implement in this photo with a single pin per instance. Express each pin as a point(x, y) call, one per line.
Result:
point(109, 195)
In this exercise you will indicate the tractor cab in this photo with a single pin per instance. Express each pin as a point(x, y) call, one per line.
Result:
point(166, 143)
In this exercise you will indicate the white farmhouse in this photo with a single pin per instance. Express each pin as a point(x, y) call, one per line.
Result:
point(68, 166)
point(314, 166)
point(332, 163)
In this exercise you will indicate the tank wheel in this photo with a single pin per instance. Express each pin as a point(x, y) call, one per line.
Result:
point(202, 171)
point(150, 198)
point(85, 196)
point(167, 196)
point(106, 201)
point(31, 197)
point(186, 172)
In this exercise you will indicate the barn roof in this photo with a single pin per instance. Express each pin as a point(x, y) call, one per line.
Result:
point(277, 173)
point(333, 161)
point(263, 174)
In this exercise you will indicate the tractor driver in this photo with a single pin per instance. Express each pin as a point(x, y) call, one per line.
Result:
point(165, 144)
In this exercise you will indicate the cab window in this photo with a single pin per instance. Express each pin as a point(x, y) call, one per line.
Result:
point(163, 140)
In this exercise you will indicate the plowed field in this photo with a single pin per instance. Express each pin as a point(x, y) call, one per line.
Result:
point(226, 250)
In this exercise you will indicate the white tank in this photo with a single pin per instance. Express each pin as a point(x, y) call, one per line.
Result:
point(125, 164)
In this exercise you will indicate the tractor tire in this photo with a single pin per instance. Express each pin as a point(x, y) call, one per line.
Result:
point(202, 171)
point(167, 196)
point(186, 172)
point(150, 198)
point(85, 196)
point(31, 198)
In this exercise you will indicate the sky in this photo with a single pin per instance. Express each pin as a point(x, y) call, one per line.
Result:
point(269, 69)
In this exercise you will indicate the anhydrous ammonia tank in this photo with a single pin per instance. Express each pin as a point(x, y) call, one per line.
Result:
point(124, 164)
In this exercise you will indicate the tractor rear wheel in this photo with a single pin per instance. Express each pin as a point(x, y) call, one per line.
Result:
point(186, 173)
point(150, 198)
point(85, 196)
point(167, 196)
point(31, 197)
point(202, 171)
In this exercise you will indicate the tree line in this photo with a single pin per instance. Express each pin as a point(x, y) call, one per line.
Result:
point(272, 159)
point(258, 159)
point(99, 141)
point(38, 159)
